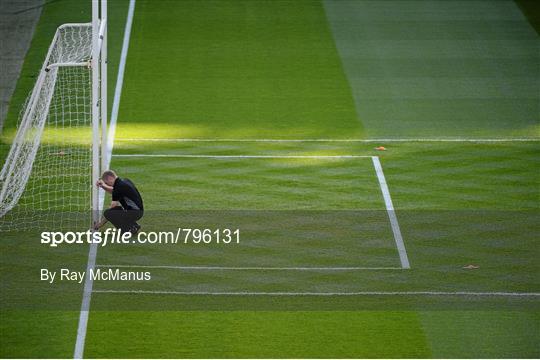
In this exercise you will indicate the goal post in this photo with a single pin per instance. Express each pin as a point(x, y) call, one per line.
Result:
point(103, 72)
point(95, 108)
point(59, 148)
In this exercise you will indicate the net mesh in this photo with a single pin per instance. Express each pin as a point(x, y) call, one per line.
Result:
point(46, 178)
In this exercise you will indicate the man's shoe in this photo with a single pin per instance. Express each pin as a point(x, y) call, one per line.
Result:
point(135, 229)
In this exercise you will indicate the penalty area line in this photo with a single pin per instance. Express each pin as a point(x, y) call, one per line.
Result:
point(261, 268)
point(308, 293)
point(403, 258)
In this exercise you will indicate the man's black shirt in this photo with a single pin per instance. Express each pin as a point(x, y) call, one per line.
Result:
point(127, 194)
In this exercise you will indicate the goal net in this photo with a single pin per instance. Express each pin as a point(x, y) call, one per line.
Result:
point(46, 179)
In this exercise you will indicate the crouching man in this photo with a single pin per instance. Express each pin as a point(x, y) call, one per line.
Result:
point(126, 206)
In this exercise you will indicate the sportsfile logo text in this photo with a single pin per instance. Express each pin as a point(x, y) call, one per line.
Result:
point(109, 236)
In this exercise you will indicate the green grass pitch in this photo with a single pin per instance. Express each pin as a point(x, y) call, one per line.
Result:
point(303, 70)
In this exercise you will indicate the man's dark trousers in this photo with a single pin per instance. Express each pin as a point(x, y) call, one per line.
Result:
point(124, 220)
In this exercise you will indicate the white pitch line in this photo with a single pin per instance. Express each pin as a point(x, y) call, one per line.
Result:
point(391, 213)
point(376, 163)
point(92, 253)
point(244, 156)
point(262, 268)
point(472, 140)
point(357, 293)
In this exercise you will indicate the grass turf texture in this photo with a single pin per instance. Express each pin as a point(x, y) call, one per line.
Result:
point(282, 77)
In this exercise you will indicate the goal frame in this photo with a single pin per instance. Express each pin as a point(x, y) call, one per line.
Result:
point(99, 99)
point(27, 142)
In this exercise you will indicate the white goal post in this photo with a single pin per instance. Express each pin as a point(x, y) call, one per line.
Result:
point(57, 153)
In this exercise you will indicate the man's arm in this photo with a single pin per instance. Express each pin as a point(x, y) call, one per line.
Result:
point(100, 223)
point(104, 186)
point(103, 221)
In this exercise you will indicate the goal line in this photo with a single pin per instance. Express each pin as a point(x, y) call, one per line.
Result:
point(244, 156)
point(373, 140)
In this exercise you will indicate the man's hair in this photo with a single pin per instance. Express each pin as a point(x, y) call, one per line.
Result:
point(108, 173)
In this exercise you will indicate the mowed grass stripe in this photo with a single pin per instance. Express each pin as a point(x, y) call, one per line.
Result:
point(432, 68)
point(196, 65)
point(252, 334)
point(256, 184)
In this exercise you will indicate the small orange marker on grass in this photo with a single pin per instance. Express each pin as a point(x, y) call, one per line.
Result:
point(380, 148)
